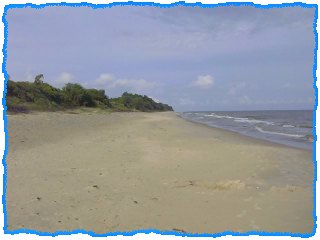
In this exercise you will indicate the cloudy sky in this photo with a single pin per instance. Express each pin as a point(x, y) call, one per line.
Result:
point(222, 58)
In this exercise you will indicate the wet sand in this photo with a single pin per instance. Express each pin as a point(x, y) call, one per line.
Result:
point(107, 172)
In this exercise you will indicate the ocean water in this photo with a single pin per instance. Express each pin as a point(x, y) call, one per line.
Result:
point(293, 128)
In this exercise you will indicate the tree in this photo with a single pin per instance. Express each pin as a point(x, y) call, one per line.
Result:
point(72, 93)
point(39, 79)
point(87, 100)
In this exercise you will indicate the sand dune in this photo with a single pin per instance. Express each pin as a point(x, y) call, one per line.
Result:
point(129, 171)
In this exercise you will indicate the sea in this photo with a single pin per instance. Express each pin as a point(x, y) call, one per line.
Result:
point(289, 127)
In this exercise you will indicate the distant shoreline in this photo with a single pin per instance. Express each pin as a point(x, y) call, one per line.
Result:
point(80, 110)
point(257, 110)
point(230, 125)
point(263, 141)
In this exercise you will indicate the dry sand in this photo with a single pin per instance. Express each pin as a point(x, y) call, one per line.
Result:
point(131, 171)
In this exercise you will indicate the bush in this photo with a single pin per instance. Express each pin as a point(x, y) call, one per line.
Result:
point(42, 96)
point(139, 103)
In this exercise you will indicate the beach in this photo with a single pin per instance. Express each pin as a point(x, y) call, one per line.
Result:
point(119, 172)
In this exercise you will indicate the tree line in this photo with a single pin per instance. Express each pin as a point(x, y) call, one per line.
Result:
point(41, 96)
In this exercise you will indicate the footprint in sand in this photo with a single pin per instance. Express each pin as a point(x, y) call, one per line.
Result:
point(254, 225)
point(189, 183)
point(242, 214)
point(257, 207)
point(228, 185)
point(287, 188)
point(248, 199)
point(178, 230)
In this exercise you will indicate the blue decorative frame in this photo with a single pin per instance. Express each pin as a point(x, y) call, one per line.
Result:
point(181, 3)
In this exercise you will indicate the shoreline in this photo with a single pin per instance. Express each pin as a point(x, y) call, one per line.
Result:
point(178, 114)
point(265, 141)
point(127, 171)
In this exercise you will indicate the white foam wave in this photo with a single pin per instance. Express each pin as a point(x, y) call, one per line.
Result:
point(287, 126)
point(253, 121)
point(216, 116)
point(220, 116)
point(282, 134)
point(237, 119)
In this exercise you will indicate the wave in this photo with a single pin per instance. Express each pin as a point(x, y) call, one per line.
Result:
point(240, 119)
point(305, 126)
point(253, 121)
point(290, 129)
point(222, 116)
point(216, 116)
point(287, 126)
point(282, 134)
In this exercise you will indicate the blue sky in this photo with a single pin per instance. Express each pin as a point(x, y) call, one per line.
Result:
point(222, 58)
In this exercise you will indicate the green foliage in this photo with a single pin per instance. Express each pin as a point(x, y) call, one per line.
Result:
point(72, 94)
point(137, 102)
point(24, 96)
point(99, 97)
point(39, 79)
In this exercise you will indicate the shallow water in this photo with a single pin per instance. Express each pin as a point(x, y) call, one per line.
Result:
point(290, 127)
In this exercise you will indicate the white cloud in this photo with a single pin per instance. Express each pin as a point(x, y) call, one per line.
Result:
point(154, 99)
point(63, 78)
point(109, 81)
point(29, 76)
point(104, 79)
point(137, 84)
point(204, 82)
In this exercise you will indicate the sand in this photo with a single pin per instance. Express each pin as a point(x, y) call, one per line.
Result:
point(107, 172)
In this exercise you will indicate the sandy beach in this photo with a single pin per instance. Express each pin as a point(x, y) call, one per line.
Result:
point(107, 172)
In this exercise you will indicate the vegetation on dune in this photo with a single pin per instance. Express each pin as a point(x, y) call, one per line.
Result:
point(139, 103)
point(38, 95)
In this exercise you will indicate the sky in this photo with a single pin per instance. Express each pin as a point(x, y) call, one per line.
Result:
point(193, 58)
